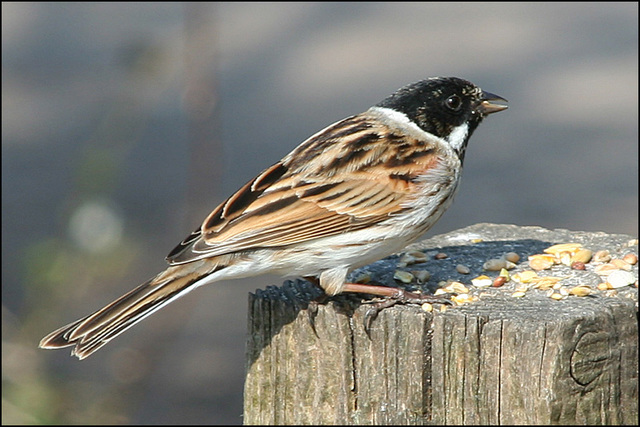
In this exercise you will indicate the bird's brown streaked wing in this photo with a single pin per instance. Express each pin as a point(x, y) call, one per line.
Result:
point(298, 215)
point(295, 201)
point(226, 211)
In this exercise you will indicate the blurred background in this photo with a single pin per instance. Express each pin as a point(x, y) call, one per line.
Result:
point(123, 125)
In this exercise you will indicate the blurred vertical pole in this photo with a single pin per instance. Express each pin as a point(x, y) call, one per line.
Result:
point(200, 106)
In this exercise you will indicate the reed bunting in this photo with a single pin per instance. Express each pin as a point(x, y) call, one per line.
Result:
point(355, 192)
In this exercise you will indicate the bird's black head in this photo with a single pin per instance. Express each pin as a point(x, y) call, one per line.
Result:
point(448, 107)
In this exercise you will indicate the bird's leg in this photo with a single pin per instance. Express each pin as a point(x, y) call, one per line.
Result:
point(396, 294)
point(392, 296)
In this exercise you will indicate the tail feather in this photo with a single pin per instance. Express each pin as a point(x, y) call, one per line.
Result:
point(92, 332)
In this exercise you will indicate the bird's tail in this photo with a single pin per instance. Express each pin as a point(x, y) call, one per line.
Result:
point(92, 332)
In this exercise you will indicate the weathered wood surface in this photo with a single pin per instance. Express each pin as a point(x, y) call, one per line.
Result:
point(499, 360)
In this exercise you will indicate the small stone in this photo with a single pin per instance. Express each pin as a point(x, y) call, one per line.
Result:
point(363, 278)
point(422, 276)
point(462, 269)
point(413, 257)
point(512, 257)
point(498, 264)
point(403, 276)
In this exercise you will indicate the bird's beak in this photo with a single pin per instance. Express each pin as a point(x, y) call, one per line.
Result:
point(487, 106)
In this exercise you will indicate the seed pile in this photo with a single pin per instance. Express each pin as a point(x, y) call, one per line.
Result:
point(546, 272)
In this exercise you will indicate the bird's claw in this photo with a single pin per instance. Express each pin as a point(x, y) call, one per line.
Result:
point(312, 310)
point(401, 297)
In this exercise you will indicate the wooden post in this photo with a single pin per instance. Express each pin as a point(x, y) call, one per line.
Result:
point(498, 360)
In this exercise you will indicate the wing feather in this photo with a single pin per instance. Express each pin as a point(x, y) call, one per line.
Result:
point(339, 180)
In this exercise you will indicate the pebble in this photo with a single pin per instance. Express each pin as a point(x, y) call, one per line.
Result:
point(462, 269)
point(363, 278)
point(422, 276)
point(498, 264)
point(413, 257)
point(512, 257)
point(403, 276)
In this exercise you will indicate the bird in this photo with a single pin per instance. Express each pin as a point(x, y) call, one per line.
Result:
point(354, 192)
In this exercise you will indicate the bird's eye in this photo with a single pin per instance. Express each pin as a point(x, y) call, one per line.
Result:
point(453, 103)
